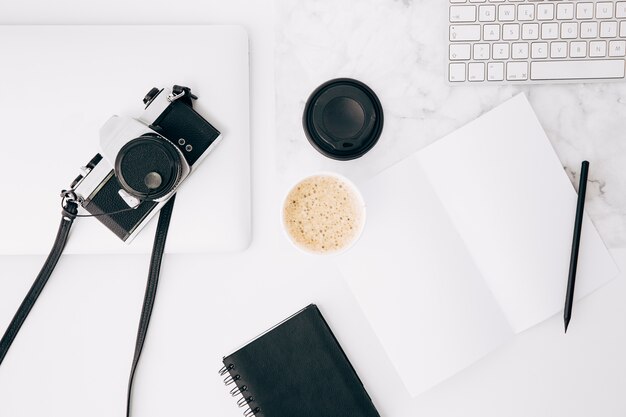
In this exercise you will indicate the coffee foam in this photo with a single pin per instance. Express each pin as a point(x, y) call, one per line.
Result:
point(323, 214)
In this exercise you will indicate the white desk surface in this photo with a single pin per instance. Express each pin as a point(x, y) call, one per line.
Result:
point(73, 355)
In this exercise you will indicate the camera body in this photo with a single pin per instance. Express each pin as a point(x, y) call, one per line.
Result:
point(142, 162)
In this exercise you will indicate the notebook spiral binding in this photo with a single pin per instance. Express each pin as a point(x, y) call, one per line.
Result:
point(245, 400)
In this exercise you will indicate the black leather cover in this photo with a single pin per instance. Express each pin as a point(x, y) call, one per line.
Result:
point(108, 200)
point(298, 369)
point(180, 120)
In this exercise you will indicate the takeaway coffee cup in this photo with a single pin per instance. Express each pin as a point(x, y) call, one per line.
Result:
point(323, 214)
point(343, 119)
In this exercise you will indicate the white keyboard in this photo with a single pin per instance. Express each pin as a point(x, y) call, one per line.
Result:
point(529, 41)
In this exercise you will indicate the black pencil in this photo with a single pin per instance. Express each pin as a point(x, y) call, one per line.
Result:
point(578, 225)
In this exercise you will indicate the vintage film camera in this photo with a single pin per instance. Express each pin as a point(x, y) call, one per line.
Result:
point(143, 161)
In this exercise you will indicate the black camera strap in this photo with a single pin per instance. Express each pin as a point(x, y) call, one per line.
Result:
point(70, 210)
point(158, 248)
point(69, 214)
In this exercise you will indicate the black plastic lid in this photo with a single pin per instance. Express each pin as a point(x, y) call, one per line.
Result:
point(343, 119)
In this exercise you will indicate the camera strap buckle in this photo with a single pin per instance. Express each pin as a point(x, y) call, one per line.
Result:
point(68, 196)
point(69, 204)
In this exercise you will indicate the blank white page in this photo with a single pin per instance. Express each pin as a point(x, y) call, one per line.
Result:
point(509, 198)
point(417, 284)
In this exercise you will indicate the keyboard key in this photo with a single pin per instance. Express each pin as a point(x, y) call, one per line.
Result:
point(617, 48)
point(565, 11)
point(545, 11)
point(589, 30)
point(584, 11)
point(608, 29)
point(569, 30)
point(539, 50)
point(549, 30)
point(487, 13)
point(506, 12)
point(578, 49)
point(520, 50)
point(604, 10)
point(597, 49)
point(462, 14)
point(476, 71)
point(577, 70)
point(558, 50)
point(526, 12)
point(465, 33)
point(517, 71)
point(491, 32)
point(501, 51)
point(510, 32)
point(530, 31)
point(495, 71)
point(460, 51)
point(456, 73)
point(481, 51)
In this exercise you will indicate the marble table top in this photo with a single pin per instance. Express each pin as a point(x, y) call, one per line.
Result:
point(398, 47)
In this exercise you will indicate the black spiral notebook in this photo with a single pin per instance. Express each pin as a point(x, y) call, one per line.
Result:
point(296, 369)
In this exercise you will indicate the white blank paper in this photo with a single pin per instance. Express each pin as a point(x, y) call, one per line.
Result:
point(417, 283)
point(467, 243)
point(515, 207)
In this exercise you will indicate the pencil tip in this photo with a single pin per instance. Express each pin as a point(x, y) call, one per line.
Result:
point(566, 325)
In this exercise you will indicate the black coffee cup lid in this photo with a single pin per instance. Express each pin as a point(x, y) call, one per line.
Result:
point(343, 119)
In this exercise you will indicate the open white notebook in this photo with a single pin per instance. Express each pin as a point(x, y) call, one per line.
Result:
point(467, 242)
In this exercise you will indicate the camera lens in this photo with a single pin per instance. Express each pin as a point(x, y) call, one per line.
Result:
point(148, 167)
